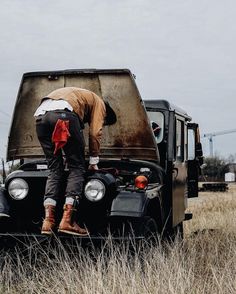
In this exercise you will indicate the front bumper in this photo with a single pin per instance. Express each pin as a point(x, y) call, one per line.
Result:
point(34, 241)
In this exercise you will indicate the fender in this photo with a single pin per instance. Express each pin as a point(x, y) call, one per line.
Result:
point(129, 204)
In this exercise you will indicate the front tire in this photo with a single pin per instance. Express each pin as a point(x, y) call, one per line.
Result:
point(148, 227)
point(175, 233)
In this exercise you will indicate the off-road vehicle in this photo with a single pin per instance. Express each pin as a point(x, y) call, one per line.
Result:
point(148, 167)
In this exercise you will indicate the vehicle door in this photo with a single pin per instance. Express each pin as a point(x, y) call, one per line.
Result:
point(195, 159)
point(179, 172)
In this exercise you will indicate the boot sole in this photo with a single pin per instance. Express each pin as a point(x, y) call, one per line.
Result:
point(46, 232)
point(73, 233)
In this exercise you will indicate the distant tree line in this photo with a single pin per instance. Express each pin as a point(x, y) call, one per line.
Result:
point(215, 168)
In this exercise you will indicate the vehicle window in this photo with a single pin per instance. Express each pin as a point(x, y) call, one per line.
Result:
point(157, 122)
point(179, 140)
point(191, 144)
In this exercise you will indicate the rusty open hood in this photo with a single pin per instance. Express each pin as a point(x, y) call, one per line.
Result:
point(130, 137)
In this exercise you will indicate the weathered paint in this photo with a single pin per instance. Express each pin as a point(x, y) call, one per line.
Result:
point(130, 137)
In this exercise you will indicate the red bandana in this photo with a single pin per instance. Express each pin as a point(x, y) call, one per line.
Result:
point(60, 134)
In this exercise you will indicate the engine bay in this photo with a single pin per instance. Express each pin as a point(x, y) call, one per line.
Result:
point(124, 171)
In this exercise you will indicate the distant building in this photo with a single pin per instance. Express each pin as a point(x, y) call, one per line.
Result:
point(230, 176)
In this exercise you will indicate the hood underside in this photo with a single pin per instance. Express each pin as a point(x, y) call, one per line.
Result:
point(130, 137)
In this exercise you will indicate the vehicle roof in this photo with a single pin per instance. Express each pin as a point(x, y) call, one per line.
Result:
point(161, 104)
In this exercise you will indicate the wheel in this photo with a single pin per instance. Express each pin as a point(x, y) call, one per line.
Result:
point(174, 233)
point(148, 227)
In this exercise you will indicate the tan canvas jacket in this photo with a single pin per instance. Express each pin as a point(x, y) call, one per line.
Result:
point(90, 109)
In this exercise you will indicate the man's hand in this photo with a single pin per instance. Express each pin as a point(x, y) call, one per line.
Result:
point(93, 161)
point(93, 167)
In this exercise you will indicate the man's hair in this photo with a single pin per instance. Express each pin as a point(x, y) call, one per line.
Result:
point(110, 118)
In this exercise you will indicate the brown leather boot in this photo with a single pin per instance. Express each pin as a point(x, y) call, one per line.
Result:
point(49, 222)
point(68, 226)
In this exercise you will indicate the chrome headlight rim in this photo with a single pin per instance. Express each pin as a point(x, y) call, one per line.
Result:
point(18, 189)
point(94, 190)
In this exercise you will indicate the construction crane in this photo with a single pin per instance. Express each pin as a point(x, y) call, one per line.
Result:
point(211, 135)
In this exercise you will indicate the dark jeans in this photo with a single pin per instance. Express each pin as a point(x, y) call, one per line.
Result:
point(74, 153)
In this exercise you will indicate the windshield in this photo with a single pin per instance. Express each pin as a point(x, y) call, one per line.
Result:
point(157, 122)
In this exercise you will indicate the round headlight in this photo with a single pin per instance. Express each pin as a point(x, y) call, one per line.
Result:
point(94, 190)
point(18, 189)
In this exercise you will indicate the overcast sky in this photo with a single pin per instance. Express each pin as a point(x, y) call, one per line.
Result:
point(179, 50)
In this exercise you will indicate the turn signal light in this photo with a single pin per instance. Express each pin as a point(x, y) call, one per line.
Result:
point(141, 182)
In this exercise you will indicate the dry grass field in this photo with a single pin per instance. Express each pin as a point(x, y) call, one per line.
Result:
point(205, 262)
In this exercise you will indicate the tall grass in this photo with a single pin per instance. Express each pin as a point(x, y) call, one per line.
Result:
point(204, 262)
